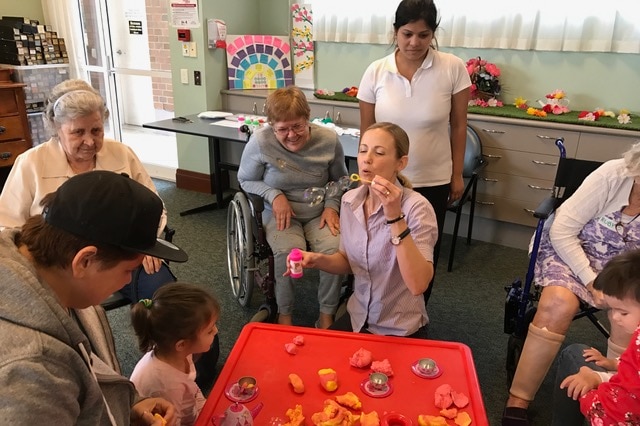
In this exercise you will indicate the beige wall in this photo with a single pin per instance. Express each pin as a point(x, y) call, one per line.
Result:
point(29, 8)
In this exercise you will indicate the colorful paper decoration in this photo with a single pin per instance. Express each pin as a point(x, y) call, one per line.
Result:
point(258, 62)
point(302, 45)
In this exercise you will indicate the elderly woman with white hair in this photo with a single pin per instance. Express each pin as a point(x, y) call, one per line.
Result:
point(599, 221)
point(74, 117)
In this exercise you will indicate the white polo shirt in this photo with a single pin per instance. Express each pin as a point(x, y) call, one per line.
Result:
point(421, 107)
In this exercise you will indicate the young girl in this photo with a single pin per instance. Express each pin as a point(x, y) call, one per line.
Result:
point(179, 321)
point(616, 401)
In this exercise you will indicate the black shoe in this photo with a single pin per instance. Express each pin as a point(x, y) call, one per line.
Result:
point(515, 416)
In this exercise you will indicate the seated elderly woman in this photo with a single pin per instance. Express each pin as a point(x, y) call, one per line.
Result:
point(388, 237)
point(598, 222)
point(281, 161)
point(75, 116)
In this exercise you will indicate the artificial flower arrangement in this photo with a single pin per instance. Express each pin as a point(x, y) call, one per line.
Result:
point(485, 85)
point(555, 103)
point(623, 117)
point(347, 94)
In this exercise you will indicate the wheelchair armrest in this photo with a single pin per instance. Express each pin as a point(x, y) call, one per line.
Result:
point(545, 208)
point(256, 202)
point(482, 163)
point(168, 233)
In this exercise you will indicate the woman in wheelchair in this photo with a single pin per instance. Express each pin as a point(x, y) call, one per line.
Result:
point(599, 221)
point(74, 116)
point(388, 235)
point(281, 161)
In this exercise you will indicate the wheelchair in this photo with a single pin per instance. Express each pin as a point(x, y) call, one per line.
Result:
point(249, 256)
point(520, 305)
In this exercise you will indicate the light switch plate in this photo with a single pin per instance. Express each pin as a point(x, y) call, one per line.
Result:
point(185, 49)
point(192, 49)
point(184, 76)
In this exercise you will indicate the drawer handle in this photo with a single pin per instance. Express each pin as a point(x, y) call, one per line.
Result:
point(493, 131)
point(543, 163)
point(488, 179)
point(485, 203)
point(546, 137)
point(338, 118)
point(5, 155)
point(264, 108)
point(2, 129)
point(541, 188)
point(529, 211)
point(491, 156)
point(254, 110)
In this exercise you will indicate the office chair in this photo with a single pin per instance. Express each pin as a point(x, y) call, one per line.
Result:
point(473, 164)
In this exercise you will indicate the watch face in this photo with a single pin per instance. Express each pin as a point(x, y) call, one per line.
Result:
point(395, 240)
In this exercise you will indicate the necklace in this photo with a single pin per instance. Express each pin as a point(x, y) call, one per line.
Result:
point(621, 228)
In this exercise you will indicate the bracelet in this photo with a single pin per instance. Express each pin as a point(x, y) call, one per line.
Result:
point(397, 219)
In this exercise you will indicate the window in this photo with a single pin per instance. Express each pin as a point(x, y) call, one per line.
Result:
point(556, 25)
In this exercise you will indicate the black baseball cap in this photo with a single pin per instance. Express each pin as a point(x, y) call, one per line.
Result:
point(110, 208)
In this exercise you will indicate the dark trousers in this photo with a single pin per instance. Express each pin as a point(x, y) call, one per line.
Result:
point(143, 285)
point(438, 196)
point(344, 324)
point(566, 411)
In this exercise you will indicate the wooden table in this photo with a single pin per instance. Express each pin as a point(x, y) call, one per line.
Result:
point(215, 135)
point(260, 352)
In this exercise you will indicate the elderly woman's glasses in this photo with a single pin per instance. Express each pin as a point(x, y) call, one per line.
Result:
point(296, 128)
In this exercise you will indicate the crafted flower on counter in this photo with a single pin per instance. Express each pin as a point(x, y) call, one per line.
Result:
point(350, 91)
point(328, 379)
point(555, 103)
point(485, 84)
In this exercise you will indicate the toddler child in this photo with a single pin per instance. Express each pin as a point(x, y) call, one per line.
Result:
point(179, 321)
point(614, 399)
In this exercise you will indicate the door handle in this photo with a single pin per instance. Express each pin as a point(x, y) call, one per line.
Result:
point(119, 52)
point(2, 129)
point(5, 155)
point(493, 131)
point(543, 163)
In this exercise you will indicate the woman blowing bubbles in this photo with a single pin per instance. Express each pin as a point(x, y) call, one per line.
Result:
point(388, 233)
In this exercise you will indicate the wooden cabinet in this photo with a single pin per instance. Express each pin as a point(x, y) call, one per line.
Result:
point(14, 128)
point(522, 159)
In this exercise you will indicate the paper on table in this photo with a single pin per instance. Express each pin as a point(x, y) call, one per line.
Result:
point(214, 114)
point(225, 123)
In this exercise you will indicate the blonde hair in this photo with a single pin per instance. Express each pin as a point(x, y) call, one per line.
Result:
point(69, 100)
point(401, 141)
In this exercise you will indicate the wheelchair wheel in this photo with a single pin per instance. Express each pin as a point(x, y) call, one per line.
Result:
point(515, 345)
point(240, 249)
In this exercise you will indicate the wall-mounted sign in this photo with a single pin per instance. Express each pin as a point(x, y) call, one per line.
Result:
point(135, 27)
point(184, 13)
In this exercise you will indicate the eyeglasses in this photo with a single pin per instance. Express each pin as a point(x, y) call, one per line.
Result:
point(296, 128)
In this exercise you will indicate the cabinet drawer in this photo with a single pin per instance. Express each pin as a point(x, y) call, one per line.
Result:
point(525, 139)
point(12, 127)
point(598, 147)
point(9, 102)
point(244, 104)
point(10, 150)
point(515, 187)
point(518, 163)
point(506, 210)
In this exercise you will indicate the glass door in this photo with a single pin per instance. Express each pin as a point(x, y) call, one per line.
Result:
point(131, 68)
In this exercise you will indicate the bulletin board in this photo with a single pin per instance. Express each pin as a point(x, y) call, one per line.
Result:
point(258, 62)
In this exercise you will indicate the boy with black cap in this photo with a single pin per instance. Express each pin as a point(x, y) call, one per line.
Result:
point(93, 232)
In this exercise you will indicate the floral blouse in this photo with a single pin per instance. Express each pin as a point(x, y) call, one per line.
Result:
point(617, 402)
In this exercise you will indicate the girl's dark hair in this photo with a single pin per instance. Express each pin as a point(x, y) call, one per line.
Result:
point(417, 10)
point(620, 277)
point(178, 311)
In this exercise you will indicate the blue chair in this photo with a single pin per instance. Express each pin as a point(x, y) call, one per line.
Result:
point(473, 164)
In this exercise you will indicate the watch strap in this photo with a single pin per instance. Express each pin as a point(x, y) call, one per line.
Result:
point(397, 219)
point(402, 235)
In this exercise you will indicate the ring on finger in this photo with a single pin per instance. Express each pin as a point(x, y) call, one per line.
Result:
point(387, 192)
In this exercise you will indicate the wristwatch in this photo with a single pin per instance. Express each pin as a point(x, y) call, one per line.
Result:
point(396, 240)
